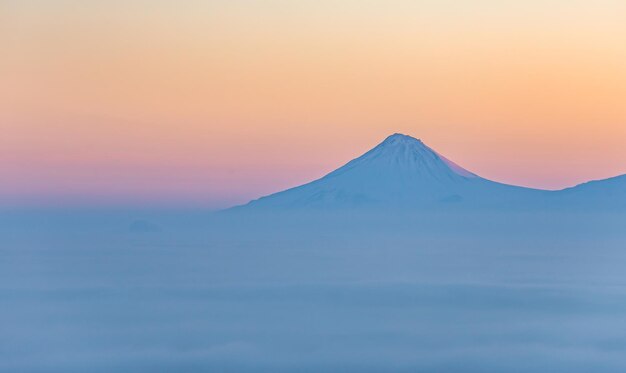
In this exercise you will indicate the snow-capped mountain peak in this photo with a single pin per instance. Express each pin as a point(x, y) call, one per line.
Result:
point(400, 171)
point(400, 138)
point(404, 173)
point(400, 153)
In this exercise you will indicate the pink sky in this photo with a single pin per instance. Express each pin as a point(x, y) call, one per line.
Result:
point(214, 103)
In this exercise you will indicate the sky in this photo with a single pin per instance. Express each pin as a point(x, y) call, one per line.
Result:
point(212, 103)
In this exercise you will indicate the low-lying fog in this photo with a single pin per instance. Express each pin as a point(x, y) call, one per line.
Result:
point(129, 291)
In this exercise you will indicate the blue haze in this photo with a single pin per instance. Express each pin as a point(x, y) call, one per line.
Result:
point(328, 292)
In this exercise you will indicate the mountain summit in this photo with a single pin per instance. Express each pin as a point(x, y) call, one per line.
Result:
point(400, 172)
point(405, 150)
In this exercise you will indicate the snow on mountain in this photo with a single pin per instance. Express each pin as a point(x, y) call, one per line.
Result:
point(400, 172)
point(607, 193)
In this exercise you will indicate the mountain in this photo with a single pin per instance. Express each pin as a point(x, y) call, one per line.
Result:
point(400, 172)
point(605, 194)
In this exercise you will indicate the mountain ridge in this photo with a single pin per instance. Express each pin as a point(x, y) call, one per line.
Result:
point(404, 172)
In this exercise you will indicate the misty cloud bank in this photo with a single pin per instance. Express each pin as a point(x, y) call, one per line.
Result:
point(464, 292)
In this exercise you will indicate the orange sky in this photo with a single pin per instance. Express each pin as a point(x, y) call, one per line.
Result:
point(216, 102)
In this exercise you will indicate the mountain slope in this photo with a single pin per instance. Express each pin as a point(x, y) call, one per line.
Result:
point(607, 193)
point(401, 172)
